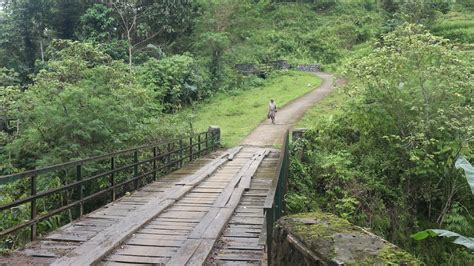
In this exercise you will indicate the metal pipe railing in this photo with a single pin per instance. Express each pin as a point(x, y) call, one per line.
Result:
point(174, 155)
point(274, 206)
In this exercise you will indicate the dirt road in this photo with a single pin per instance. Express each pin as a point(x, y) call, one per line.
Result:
point(268, 134)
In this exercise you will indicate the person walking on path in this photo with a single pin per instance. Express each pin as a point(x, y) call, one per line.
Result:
point(272, 109)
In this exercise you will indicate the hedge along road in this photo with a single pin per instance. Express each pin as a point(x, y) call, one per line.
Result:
point(268, 134)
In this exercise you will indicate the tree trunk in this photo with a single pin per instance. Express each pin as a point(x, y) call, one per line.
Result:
point(130, 47)
point(42, 50)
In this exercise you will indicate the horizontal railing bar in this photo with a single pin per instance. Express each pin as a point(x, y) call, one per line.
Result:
point(77, 183)
point(85, 180)
point(13, 177)
point(73, 204)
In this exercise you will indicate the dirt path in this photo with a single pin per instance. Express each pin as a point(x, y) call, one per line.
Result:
point(268, 134)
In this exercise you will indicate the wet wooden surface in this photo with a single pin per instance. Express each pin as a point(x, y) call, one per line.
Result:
point(209, 212)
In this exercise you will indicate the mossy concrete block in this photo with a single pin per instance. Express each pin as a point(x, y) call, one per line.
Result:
point(319, 238)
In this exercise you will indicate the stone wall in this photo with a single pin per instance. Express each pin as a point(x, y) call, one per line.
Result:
point(319, 238)
point(309, 67)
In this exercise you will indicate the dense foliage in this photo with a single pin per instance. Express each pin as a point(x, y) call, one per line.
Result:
point(388, 160)
point(80, 78)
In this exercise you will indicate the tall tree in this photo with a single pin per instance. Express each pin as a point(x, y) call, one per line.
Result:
point(160, 22)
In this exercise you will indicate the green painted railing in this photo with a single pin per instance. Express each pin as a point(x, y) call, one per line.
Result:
point(275, 202)
point(102, 178)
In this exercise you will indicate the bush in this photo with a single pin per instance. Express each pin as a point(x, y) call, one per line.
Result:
point(387, 161)
point(176, 81)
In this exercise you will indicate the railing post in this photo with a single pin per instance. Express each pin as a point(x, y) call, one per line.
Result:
point(135, 169)
point(33, 207)
point(199, 145)
point(168, 158)
point(112, 177)
point(207, 140)
point(154, 163)
point(81, 188)
point(190, 148)
point(181, 153)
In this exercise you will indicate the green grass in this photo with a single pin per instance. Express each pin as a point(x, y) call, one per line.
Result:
point(456, 26)
point(325, 109)
point(238, 114)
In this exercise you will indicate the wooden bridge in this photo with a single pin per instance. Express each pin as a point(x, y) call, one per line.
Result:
point(211, 210)
point(178, 203)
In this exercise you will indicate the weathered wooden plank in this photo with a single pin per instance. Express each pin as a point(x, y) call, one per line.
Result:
point(39, 253)
point(145, 251)
point(249, 214)
point(176, 226)
point(110, 238)
point(159, 237)
point(178, 220)
point(164, 232)
point(135, 259)
point(155, 242)
point(189, 208)
point(113, 263)
point(184, 253)
point(162, 221)
point(240, 255)
point(207, 190)
point(70, 237)
point(239, 234)
point(246, 220)
point(243, 247)
point(202, 253)
point(241, 240)
point(182, 215)
point(199, 230)
point(217, 226)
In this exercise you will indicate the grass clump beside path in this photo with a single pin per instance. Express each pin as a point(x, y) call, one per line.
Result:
point(327, 108)
point(238, 113)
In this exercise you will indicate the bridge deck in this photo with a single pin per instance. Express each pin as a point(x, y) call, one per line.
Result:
point(209, 212)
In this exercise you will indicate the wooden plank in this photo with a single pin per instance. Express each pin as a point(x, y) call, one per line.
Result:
point(189, 208)
point(145, 251)
point(207, 190)
point(241, 240)
point(182, 215)
point(202, 253)
point(111, 237)
point(159, 237)
point(219, 219)
point(160, 221)
point(155, 242)
point(136, 259)
point(169, 227)
point(217, 226)
point(164, 232)
point(246, 220)
point(240, 255)
point(184, 253)
point(203, 173)
point(229, 189)
point(69, 237)
point(243, 247)
point(113, 263)
point(199, 230)
point(39, 253)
